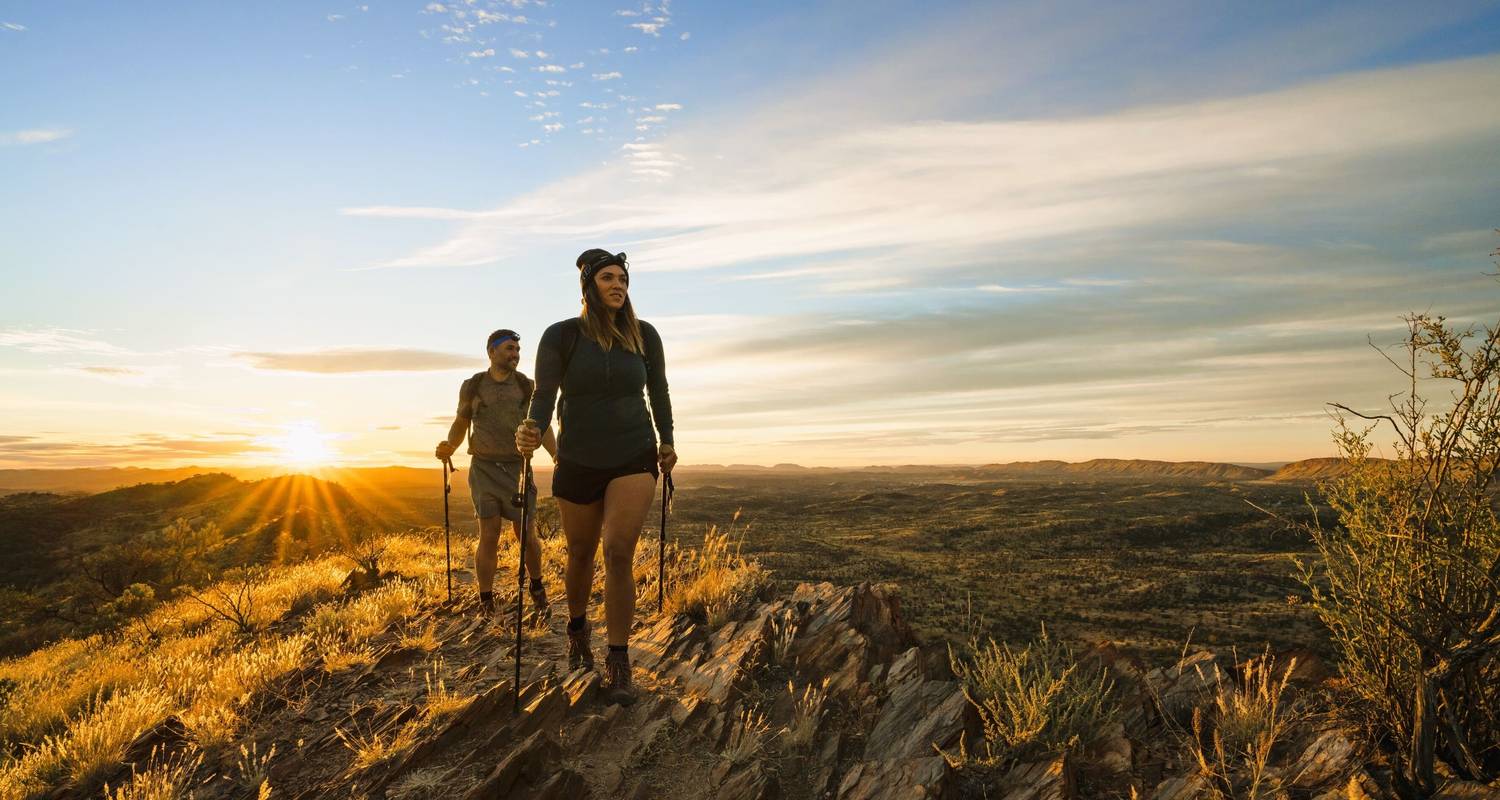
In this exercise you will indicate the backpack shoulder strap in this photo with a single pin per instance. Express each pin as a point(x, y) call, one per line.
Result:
point(571, 333)
point(528, 387)
point(471, 387)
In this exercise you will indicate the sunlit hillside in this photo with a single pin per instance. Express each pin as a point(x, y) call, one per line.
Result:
point(74, 564)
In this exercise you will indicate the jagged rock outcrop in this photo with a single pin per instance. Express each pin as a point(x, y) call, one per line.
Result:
point(818, 694)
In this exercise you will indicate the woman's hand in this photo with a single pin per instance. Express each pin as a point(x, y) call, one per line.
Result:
point(527, 438)
point(667, 457)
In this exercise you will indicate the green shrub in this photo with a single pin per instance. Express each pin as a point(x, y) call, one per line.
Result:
point(1408, 579)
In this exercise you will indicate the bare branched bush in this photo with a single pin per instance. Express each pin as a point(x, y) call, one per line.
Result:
point(1233, 744)
point(1036, 701)
point(365, 546)
point(1408, 579)
point(233, 598)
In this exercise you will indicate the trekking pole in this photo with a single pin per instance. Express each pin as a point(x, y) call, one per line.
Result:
point(667, 490)
point(525, 497)
point(447, 533)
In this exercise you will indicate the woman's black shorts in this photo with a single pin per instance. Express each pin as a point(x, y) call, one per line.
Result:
point(583, 485)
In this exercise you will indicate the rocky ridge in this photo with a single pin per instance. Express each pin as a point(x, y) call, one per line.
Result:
point(724, 713)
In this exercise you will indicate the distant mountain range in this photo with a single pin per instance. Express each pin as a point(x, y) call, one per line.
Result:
point(92, 480)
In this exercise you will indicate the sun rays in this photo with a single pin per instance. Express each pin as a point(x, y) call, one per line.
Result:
point(301, 445)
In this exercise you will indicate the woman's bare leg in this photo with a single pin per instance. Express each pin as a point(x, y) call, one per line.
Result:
point(626, 502)
point(581, 526)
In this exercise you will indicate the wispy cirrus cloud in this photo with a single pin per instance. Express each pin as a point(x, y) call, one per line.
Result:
point(140, 448)
point(57, 340)
point(1227, 354)
point(35, 136)
point(111, 371)
point(956, 189)
point(1189, 260)
point(347, 360)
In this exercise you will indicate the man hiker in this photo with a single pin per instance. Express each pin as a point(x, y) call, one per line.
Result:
point(491, 404)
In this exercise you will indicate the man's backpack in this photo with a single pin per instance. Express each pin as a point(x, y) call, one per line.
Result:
point(470, 389)
point(571, 333)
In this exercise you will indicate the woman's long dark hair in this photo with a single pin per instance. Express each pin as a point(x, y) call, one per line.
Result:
point(606, 329)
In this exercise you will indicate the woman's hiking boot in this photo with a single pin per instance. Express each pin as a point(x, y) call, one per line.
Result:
point(580, 654)
point(617, 683)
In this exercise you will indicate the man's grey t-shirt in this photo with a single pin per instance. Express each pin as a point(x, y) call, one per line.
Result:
point(495, 409)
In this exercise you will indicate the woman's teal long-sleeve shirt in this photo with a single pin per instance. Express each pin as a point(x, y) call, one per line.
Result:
point(603, 415)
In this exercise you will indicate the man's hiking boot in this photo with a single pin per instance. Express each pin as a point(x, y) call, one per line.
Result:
point(617, 684)
point(580, 654)
point(486, 604)
point(539, 602)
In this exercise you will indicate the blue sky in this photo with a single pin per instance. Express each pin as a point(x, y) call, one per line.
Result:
point(869, 232)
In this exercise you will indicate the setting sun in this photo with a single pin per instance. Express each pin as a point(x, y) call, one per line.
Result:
point(304, 444)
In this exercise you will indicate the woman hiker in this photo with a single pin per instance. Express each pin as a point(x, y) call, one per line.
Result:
point(607, 453)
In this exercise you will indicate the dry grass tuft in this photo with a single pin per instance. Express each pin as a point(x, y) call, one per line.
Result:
point(747, 738)
point(369, 614)
point(1248, 721)
point(337, 654)
point(783, 634)
point(90, 745)
point(162, 779)
point(807, 714)
point(420, 784)
point(711, 582)
point(1035, 701)
point(372, 747)
point(252, 769)
point(424, 638)
point(440, 701)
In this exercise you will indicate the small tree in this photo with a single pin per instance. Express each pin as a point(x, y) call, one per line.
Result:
point(1408, 580)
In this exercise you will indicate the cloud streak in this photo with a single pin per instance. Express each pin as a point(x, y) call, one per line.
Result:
point(350, 360)
point(140, 448)
point(950, 190)
point(35, 136)
point(57, 340)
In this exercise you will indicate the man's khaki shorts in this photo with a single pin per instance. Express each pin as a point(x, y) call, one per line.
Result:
point(493, 486)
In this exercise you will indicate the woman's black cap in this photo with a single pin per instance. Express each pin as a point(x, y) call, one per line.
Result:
point(593, 260)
